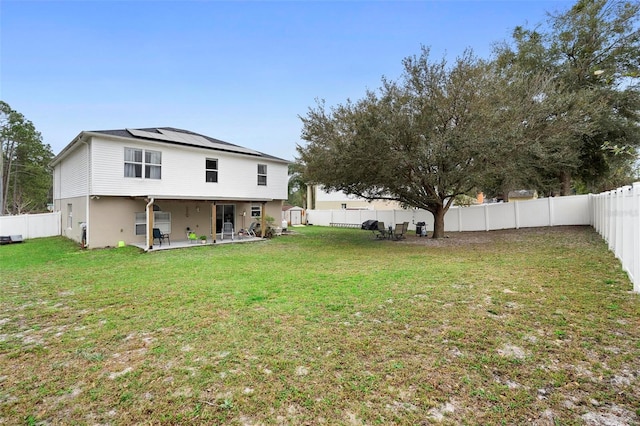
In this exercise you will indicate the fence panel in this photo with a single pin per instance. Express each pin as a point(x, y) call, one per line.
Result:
point(502, 216)
point(534, 213)
point(571, 210)
point(31, 225)
point(616, 216)
point(472, 218)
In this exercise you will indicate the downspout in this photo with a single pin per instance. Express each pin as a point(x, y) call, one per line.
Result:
point(149, 224)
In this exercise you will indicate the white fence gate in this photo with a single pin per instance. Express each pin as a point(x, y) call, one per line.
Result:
point(31, 225)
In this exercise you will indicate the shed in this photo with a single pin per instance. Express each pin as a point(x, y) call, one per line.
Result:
point(293, 215)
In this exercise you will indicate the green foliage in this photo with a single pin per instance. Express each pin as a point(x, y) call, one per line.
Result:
point(593, 51)
point(556, 110)
point(297, 186)
point(25, 182)
point(437, 133)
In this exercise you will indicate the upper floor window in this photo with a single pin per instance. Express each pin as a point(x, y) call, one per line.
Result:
point(211, 170)
point(137, 160)
point(262, 174)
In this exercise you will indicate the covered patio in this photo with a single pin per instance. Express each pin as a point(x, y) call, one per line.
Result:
point(183, 244)
point(180, 216)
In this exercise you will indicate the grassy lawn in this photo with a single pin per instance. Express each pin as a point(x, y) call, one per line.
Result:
point(327, 326)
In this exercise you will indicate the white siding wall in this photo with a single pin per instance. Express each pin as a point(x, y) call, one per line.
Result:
point(71, 175)
point(183, 173)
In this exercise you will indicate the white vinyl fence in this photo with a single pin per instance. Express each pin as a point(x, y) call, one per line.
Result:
point(616, 216)
point(573, 210)
point(31, 225)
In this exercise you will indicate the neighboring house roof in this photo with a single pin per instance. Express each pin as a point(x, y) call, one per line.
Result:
point(172, 136)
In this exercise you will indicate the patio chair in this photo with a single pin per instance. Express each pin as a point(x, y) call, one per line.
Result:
point(157, 235)
point(227, 229)
point(251, 231)
point(382, 231)
point(192, 236)
point(400, 230)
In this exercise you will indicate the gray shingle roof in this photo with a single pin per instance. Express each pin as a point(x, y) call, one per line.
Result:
point(172, 136)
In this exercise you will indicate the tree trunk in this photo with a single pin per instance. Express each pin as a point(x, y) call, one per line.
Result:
point(438, 222)
point(565, 188)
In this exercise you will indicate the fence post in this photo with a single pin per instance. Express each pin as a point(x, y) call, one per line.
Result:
point(619, 222)
point(516, 212)
point(612, 219)
point(550, 199)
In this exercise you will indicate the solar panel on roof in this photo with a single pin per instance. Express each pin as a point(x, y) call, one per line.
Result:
point(149, 135)
point(202, 141)
point(191, 139)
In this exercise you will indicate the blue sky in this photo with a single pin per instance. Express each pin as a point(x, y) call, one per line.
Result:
point(241, 71)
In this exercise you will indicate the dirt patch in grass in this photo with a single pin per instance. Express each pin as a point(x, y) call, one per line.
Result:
point(461, 239)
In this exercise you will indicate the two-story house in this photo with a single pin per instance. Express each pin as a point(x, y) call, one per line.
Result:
point(117, 185)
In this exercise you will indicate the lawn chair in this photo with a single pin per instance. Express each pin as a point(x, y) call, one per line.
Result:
point(400, 230)
point(251, 231)
point(382, 231)
point(192, 237)
point(227, 229)
point(157, 235)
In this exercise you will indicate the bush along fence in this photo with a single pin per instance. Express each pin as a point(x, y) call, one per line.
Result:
point(615, 215)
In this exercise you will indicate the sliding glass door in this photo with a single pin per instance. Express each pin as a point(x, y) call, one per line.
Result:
point(225, 213)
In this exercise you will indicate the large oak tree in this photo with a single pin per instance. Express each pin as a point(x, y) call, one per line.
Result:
point(438, 132)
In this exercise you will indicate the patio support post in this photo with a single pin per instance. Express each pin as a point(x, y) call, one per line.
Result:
point(213, 221)
point(263, 223)
point(150, 223)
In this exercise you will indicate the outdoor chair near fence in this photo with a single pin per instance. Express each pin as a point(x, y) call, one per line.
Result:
point(400, 230)
point(382, 231)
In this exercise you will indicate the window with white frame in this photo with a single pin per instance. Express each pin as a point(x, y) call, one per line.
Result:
point(161, 220)
point(141, 223)
point(262, 174)
point(153, 164)
point(211, 170)
point(256, 210)
point(136, 160)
